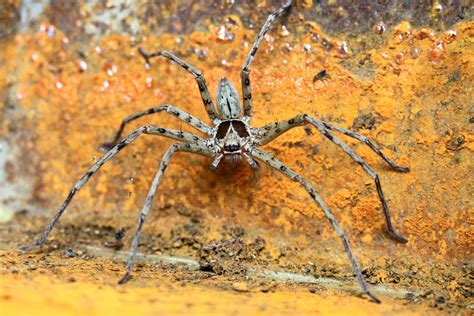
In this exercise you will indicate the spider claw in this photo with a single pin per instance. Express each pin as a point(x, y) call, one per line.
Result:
point(398, 237)
point(255, 166)
point(145, 56)
point(373, 298)
point(30, 248)
point(402, 169)
point(143, 53)
point(125, 278)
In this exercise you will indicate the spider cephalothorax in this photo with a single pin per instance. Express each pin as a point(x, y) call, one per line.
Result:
point(232, 142)
point(230, 138)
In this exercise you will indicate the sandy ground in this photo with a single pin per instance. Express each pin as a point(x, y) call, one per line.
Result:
point(411, 93)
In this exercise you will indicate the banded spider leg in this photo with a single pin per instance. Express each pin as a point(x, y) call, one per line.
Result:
point(245, 74)
point(278, 165)
point(193, 148)
point(196, 145)
point(273, 130)
point(206, 97)
point(180, 114)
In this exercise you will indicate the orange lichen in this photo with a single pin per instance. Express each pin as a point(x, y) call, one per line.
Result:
point(77, 102)
point(419, 109)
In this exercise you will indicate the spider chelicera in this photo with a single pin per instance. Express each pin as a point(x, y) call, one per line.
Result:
point(230, 139)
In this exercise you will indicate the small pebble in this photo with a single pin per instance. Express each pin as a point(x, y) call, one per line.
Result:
point(32, 267)
point(69, 252)
point(240, 287)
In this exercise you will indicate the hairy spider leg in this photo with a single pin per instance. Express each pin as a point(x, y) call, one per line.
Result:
point(206, 97)
point(147, 129)
point(252, 163)
point(273, 130)
point(367, 141)
point(245, 74)
point(270, 131)
point(278, 165)
point(180, 114)
point(151, 194)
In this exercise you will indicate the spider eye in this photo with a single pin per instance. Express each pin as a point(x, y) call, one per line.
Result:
point(228, 101)
point(231, 148)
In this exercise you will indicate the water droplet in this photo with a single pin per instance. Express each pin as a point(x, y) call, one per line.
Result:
point(59, 85)
point(105, 85)
point(449, 36)
point(343, 50)
point(223, 35)
point(284, 31)
point(415, 52)
point(149, 82)
point(424, 33)
point(201, 53)
point(384, 55)
point(399, 58)
point(394, 68)
point(379, 28)
point(437, 7)
point(327, 44)
point(51, 31)
point(402, 31)
point(98, 50)
point(82, 65)
point(307, 48)
point(437, 53)
point(287, 47)
point(34, 57)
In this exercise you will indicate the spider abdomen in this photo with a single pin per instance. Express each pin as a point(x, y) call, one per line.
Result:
point(228, 101)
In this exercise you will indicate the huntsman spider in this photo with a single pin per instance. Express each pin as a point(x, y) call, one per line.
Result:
point(230, 138)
